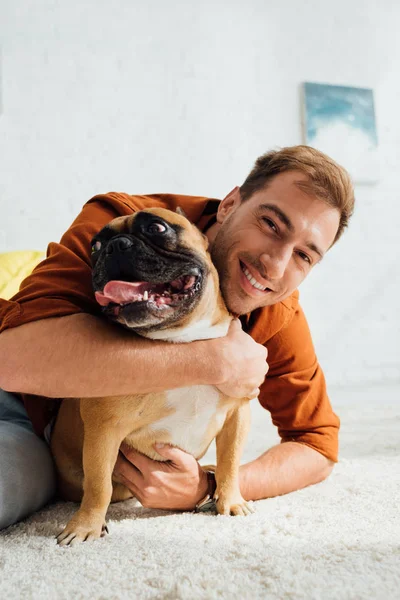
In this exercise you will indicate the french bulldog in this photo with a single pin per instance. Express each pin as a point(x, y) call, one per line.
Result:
point(153, 275)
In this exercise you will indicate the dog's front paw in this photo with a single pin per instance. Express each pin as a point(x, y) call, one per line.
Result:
point(82, 528)
point(232, 504)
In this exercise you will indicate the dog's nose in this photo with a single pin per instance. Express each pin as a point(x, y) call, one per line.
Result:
point(119, 244)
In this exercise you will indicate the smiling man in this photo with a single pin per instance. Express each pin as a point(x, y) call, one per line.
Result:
point(265, 237)
point(264, 245)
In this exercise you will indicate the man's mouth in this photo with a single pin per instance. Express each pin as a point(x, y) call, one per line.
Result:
point(253, 282)
point(117, 294)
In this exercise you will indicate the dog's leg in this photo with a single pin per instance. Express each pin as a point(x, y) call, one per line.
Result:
point(230, 442)
point(102, 440)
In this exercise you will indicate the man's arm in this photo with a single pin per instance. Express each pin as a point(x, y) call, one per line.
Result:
point(84, 356)
point(180, 483)
point(282, 469)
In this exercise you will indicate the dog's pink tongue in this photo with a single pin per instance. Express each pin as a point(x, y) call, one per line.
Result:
point(120, 292)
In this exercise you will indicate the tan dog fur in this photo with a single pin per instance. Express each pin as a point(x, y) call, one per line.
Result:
point(88, 432)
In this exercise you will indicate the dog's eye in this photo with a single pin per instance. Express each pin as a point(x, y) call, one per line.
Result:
point(156, 227)
point(96, 247)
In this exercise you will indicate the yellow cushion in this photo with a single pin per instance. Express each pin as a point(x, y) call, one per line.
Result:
point(14, 267)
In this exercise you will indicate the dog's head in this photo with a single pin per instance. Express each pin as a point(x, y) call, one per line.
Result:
point(151, 270)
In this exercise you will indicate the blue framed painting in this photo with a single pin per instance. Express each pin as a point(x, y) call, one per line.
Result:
point(340, 121)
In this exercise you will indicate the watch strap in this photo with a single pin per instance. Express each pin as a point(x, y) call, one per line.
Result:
point(208, 504)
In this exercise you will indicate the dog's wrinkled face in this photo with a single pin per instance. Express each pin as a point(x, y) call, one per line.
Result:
point(149, 269)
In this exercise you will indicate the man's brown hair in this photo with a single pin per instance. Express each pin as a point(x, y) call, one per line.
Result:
point(326, 179)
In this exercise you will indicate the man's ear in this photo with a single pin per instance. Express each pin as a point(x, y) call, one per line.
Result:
point(228, 204)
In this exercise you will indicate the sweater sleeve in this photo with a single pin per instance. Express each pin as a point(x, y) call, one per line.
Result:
point(295, 392)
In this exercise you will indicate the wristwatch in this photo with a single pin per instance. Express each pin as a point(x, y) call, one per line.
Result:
point(207, 504)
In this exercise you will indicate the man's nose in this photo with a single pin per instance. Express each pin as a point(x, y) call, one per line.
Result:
point(275, 262)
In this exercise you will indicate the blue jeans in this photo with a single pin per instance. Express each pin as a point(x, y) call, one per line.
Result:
point(27, 475)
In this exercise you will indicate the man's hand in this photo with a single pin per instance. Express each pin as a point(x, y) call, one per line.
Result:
point(178, 484)
point(244, 363)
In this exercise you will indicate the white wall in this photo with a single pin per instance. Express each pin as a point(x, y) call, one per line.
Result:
point(182, 96)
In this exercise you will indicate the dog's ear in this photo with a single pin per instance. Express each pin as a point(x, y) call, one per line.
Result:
point(181, 212)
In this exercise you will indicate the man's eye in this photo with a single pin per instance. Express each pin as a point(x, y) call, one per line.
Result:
point(270, 223)
point(304, 257)
point(96, 247)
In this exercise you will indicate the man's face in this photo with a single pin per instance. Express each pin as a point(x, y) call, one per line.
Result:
point(265, 247)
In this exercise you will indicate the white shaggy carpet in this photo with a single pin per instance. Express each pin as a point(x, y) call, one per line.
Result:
point(337, 540)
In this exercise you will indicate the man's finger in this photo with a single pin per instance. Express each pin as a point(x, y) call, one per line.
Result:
point(236, 324)
point(131, 485)
point(177, 456)
point(125, 468)
point(140, 461)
